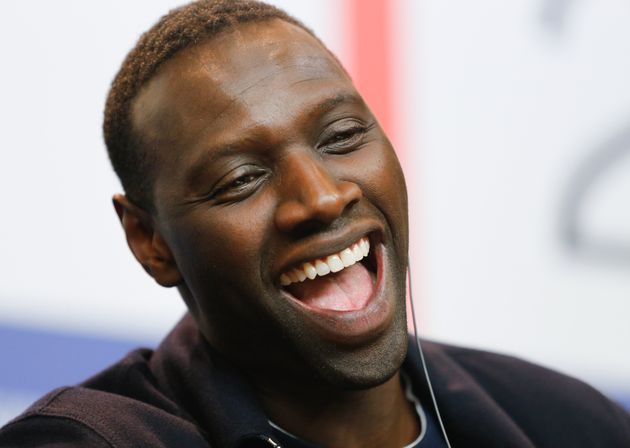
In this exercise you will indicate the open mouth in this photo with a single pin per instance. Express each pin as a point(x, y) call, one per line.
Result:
point(341, 281)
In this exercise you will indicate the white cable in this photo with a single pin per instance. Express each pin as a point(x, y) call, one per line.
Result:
point(424, 364)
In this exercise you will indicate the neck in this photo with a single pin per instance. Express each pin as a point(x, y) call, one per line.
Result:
point(377, 417)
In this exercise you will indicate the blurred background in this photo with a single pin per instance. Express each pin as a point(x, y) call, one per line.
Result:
point(512, 120)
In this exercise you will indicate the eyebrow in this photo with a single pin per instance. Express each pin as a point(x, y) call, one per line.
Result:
point(214, 153)
point(330, 103)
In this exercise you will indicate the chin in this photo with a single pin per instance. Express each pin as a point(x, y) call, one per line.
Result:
point(368, 366)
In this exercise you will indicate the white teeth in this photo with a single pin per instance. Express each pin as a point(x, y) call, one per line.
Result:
point(335, 263)
point(309, 270)
point(300, 274)
point(322, 268)
point(293, 276)
point(332, 263)
point(365, 247)
point(285, 280)
point(347, 256)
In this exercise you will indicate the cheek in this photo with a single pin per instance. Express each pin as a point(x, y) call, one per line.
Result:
point(381, 178)
point(219, 249)
point(378, 172)
point(392, 187)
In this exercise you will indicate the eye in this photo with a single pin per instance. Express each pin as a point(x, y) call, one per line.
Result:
point(241, 181)
point(343, 137)
point(239, 184)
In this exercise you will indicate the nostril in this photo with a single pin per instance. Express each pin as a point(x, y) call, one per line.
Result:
point(304, 215)
point(350, 192)
point(310, 193)
point(328, 205)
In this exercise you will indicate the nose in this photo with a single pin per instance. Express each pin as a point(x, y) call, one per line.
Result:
point(311, 195)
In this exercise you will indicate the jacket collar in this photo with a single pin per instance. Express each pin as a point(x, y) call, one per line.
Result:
point(223, 405)
point(213, 393)
point(470, 415)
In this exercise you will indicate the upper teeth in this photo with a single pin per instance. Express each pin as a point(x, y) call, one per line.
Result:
point(323, 266)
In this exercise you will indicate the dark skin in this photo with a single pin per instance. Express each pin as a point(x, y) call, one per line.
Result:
point(267, 157)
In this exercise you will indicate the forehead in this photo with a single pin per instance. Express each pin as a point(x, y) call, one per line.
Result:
point(249, 75)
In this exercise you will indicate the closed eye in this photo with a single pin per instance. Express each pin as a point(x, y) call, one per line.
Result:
point(345, 135)
point(238, 187)
point(344, 138)
point(241, 181)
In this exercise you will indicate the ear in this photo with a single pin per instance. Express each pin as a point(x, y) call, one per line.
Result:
point(146, 243)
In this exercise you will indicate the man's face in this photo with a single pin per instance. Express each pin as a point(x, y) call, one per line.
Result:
point(268, 159)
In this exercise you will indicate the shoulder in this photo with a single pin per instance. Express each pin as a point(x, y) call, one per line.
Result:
point(538, 398)
point(120, 407)
point(512, 378)
point(60, 417)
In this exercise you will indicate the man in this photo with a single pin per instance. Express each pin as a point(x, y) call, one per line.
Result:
point(261, 186)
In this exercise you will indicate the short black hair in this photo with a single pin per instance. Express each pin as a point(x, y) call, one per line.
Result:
point(180, 28)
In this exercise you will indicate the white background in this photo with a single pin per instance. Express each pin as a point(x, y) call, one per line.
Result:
point(511, 98)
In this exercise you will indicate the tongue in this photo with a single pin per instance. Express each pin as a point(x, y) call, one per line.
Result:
point(346, 290)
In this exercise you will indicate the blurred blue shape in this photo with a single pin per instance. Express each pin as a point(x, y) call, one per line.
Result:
point(35, 361)
point(624, 401)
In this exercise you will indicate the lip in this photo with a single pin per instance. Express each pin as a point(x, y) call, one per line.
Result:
point(325, 246)
point(355, 326)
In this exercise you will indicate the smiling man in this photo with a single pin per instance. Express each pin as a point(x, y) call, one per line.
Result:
point(260, 185)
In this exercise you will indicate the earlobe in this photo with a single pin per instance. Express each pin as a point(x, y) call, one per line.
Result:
point(146, 243)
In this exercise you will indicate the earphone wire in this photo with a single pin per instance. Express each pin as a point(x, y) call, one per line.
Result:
point(424, 364)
